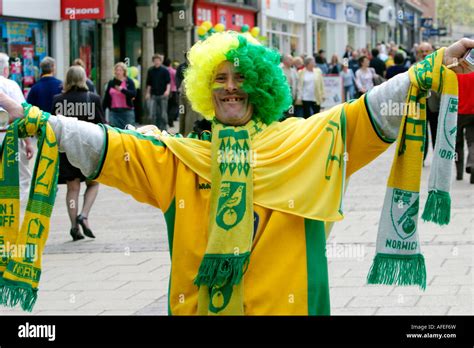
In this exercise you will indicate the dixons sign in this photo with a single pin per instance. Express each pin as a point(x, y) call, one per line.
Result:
point(82, 9)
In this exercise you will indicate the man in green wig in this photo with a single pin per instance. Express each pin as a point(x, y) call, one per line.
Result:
point(247, 205)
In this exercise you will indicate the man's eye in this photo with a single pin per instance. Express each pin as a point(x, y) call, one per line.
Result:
point(240, 78)
point(220, 79)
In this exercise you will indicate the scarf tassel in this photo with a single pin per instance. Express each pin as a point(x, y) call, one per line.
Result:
point(398, 270)
point(11, 295)
point(438, 207)
point(219, 270)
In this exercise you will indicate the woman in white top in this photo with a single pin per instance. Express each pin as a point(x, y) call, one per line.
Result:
point(364, 76)
point(310, 88)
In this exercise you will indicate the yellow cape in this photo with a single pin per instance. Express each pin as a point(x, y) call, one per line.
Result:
point(299, 165)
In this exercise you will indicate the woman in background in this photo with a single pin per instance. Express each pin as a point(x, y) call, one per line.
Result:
point(310, 89)
point(119, 97)
point(77, 101)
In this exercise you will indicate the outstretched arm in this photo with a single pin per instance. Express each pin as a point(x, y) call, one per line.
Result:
point(384, 99)
point(374, 120)
point(82, 141)
point(139, 165)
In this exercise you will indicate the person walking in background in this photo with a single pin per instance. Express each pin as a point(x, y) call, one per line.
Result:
point(348, 81)
point(310, 88)
point(43, 91)
point(321, 63)
point(158, 86)
point(173, 97)
point(348, 52)
point(25, 146)
point(465, 126)
point(291, 77)
point(335, 67)
point(90, 84)
point(377, 63)
point(354, 62)
point(86, 106)
point(119, 96)
point(398, 68)
point(298, 63)
point(364, 77)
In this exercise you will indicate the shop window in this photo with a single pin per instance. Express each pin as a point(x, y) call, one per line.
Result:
point(84, 45)
point(26, 42)
point(275, 41)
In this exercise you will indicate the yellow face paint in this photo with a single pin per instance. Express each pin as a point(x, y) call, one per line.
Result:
point(217, 85)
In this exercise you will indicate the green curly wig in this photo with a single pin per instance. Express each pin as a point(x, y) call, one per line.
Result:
point(265, 82)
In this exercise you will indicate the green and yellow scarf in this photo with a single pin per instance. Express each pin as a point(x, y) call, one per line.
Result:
point(21, 249)
point(231, 221)
point(398, 258)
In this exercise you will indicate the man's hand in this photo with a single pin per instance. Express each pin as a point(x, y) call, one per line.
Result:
point(14, 109)
point(457, 51)
point(29, 149)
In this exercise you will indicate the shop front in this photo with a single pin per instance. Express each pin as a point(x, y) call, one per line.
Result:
point(354, 19)
point(84, 32)
point(284, 25)
point(231, 16)
point(324, 14)
point(374, 23)
point(25, 30)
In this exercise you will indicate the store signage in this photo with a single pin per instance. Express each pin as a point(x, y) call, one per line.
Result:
point(442, 31)
point(203, 14)
point(232, 18)
point(427, 22)
point(324, 8)
point(287, 10)
point(82, 9)
point(37, 9)
point(353, 15)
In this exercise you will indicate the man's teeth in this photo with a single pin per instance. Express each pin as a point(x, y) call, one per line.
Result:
point(232, 99)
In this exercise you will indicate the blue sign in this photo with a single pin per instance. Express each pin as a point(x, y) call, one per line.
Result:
point(427, 22)
point(353, 15)
point(324, 8)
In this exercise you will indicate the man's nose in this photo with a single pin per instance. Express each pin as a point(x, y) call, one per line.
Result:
point(231, 85)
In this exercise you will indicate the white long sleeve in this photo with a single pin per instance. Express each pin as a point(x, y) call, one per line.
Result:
point(386, 104)
point(83, 142)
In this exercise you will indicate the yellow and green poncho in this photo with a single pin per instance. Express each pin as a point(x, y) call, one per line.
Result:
point(287, 272)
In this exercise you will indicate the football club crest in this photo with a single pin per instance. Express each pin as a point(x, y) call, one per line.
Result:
point(404, 212)
point(231, 206)
point(450, 130)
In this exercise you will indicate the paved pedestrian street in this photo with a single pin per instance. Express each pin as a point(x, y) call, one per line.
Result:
point(125, 269)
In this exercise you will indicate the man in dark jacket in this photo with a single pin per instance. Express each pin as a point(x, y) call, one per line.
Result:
point(377, 63)
point(157, 92)
point(43, 91)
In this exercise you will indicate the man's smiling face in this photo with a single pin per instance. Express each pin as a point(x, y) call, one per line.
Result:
point(231, 103)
